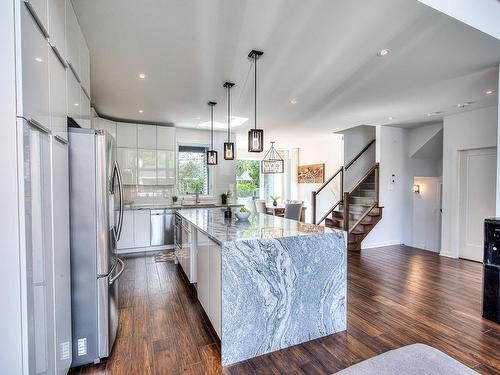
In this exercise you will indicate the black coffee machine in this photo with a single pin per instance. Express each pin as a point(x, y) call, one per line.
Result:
point(491, 270)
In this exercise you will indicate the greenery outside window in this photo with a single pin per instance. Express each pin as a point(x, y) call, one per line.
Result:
point(192, 170)
point(247, 178)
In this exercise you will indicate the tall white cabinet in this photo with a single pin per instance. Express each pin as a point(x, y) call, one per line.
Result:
point(41, 328)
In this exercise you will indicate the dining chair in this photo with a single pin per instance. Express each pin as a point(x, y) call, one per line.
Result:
point(293, 211)
point(260, 206)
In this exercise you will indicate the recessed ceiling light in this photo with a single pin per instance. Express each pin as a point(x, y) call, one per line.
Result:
point(142, 75)
point(38, 59)
point(76, 104)
point(141, 111)
point(383, 52)
point(489, 92)
point(293, 101)
point(390, 118)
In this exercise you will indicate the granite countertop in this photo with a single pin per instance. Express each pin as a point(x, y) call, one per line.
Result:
point(258, 226)
point(176, 206)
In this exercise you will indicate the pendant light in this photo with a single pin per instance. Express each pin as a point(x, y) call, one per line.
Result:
point(255, 136)
point(212, 154)
point(272, 162)
point(228, 146)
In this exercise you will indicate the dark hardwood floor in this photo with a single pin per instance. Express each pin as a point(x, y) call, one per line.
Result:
point(396, 296)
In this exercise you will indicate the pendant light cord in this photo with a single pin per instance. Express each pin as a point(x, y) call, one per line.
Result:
point(255, 96)
point(229, 114)
point(212, 127)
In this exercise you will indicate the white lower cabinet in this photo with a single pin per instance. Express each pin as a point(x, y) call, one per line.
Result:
point(142, 228)
point(209, 279)
point(127, 235)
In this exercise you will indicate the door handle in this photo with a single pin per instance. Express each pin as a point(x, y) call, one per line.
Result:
point(117, 276)
point(117, 231)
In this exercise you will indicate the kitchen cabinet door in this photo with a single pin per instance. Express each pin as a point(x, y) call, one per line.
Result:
point(57, 26)
point(165, 138)
point(85, 110)
point(203, 261)
point(39, 10)
point(127, 236)
point(72, 39)
point(127, 160)
point(58, 105)
point(146, 167)
point(215, 312)
point(146, 137)
point(126, 135)
point(142, 228)
point(165, 172)
point(35, 71)
point(84, 62)
point(73, 98)
point(61, 256)
point(106, 125)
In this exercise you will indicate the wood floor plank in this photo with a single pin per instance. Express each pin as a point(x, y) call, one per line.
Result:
point(397, 296)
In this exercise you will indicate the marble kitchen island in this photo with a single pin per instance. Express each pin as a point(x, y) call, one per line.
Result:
point(268, 283)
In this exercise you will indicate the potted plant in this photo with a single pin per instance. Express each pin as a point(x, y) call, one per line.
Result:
point(223, 198)
point(174, 199)
point(275, 200)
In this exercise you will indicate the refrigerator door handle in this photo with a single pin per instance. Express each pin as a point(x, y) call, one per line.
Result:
point(117, 230)
point(114, 278)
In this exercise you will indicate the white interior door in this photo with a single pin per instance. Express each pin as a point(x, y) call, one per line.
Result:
point(477, 199)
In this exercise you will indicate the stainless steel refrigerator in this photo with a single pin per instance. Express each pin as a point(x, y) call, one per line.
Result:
point(96, 216)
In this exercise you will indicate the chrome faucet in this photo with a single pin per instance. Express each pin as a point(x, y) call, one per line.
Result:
point(197, 195)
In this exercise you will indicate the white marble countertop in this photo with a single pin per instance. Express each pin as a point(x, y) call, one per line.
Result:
point(259, 226)
point(176, 206)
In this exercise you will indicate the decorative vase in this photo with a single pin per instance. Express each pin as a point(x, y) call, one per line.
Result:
point(275, 203)
point(224, 201)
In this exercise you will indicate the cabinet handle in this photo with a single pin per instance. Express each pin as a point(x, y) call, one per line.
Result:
point(59, 56)
point(36, 18)
point(61, 139)
point(39, 126)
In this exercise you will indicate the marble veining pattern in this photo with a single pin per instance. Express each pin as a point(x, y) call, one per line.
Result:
point(281, 292)
point(258, 226)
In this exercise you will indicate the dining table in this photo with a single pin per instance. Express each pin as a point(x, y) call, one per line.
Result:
point(279, 210)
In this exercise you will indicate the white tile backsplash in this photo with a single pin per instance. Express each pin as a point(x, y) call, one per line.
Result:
point(148, 194)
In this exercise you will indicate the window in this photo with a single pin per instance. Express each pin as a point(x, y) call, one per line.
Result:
point(192, 170)
point(247, 178)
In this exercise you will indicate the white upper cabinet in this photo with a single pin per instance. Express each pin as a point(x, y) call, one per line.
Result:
point(39, 10)
point(106, 125)
point(127, 160)
point(165, 172)
point(146, 167)
point(58, 107)
point(35, 70)
point(165, 138)
point(74, 101)
point(146, 137)
point(57, 26)
point(72, 39)
point(85, 114)
point(126, 135)
point(84, 62)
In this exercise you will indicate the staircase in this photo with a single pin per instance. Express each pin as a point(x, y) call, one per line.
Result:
point(357, 211)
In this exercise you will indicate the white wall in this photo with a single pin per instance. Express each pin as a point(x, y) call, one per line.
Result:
point(325, 149)
point(223, 174)
point(480, 14)
point(11, 360)
point(497, 210)
point(469, 130)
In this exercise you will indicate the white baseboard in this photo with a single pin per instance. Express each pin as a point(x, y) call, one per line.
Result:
point(380, 244)
point(448, 255)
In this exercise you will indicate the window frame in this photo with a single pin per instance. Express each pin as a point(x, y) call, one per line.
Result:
point(209, 174)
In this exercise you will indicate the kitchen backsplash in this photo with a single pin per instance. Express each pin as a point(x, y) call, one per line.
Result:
point(148, 194)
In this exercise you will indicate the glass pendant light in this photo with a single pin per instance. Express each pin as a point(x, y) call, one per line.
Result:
point(272, 162)
point(212, 154)
point(228, 146)
point(255, 136)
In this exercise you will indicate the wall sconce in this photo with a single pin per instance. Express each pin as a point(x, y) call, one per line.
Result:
point(416, 189)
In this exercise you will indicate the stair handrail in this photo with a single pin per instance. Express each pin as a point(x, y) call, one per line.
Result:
point(358, 155)
point(329, 180)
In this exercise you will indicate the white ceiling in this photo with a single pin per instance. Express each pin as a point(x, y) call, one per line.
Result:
point(322, 53)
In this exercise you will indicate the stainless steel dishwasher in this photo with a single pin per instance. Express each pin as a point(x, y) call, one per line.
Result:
point(162, 227)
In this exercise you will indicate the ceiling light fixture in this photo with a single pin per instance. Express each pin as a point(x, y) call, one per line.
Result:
point(463, 105)
point(293, 101)
point(212, 154)
point(38, 59)
point(390, 118)
point(142, 75)
point(383, 52)
point(272, 162)
point(228, 146)
point(489, 92)
point(141, 111)
point(436, 113)
point(255, 136)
